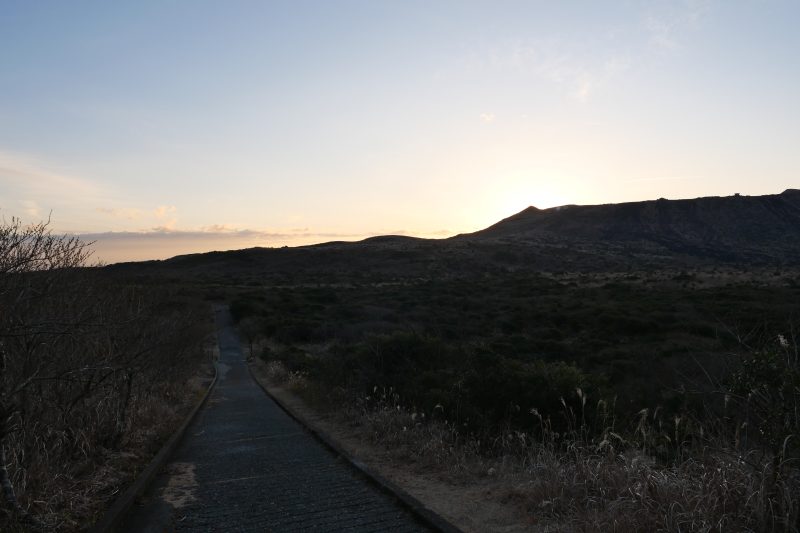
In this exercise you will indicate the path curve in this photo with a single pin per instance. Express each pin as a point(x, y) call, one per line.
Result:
point(245, 465)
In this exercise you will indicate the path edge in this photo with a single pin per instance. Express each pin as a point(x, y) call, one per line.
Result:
point(113, 517)
point(406, 500)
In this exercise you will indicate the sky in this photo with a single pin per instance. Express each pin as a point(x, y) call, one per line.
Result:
point(156, 128)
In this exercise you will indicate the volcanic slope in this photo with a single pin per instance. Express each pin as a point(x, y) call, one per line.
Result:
point(732, 231)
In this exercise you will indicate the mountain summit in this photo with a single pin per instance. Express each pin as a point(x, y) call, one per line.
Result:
point(730, 229)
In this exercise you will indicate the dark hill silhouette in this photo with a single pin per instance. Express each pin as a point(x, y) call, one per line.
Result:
point(732, 229)
point(735, 231)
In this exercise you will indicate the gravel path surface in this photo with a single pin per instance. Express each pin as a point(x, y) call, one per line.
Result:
point(245, 465)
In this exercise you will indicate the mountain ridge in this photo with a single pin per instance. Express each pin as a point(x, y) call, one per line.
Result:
point(736, 230)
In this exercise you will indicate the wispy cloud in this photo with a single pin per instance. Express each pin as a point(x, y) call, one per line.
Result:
point(31, 188)
point(28, 175)
point(488, 117)
point(581, 66)
point(160, 218)
point(219, 228)
point(127, 213)
point(662, 32)
point(31, 208)
point(167, 216)
point(667, 24)
point(164, 211)
point(580, 75)
point(574, 68)
point(163, 243)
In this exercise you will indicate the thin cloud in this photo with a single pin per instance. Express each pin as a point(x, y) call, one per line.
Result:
point(31, 189)
point(163, 211)
point(668, 26)
point(224, 230)
point(31, 208)
point(438, 234)
point(163, 242)
point(581, 67)
point(127, 213)
point(163, 217)
point(31, 177)
point(572, 67)
point(580, 78)
point(166, 215)
point(488, 117)
point(662, 32)
point(221, 231)
point(219, 228)
point(159, 230)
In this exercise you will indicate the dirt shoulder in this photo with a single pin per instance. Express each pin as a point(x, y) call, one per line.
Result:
point(476, 504)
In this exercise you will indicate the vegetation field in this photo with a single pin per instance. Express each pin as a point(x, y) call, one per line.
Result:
point(688, 369)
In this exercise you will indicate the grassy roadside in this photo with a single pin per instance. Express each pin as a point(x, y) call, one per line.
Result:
point(449, 497)
point(83, 490)
point(70, 462)
point(79, 493)
point(520, 484)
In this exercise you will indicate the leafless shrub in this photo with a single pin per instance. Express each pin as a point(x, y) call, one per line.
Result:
point(84, 361)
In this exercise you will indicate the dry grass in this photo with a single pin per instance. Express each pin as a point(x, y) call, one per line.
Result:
point(75, 489)
point(581, 490)
point(577, 484)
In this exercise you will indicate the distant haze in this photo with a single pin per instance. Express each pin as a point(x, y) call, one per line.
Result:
point(158, 128)
point(113, 247)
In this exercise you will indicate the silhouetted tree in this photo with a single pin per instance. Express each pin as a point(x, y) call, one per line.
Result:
point(79, 350)
point(35, 266)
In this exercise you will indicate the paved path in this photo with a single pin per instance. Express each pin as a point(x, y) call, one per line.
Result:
point(244, 465)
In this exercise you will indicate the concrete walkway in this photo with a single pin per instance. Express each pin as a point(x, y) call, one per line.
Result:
point(245, 465)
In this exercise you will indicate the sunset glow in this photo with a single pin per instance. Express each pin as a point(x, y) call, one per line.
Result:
point(164, 128)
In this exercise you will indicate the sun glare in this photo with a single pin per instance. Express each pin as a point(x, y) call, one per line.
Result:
point(517, 198)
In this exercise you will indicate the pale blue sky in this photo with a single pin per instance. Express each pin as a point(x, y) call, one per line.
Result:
point(232, 124)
